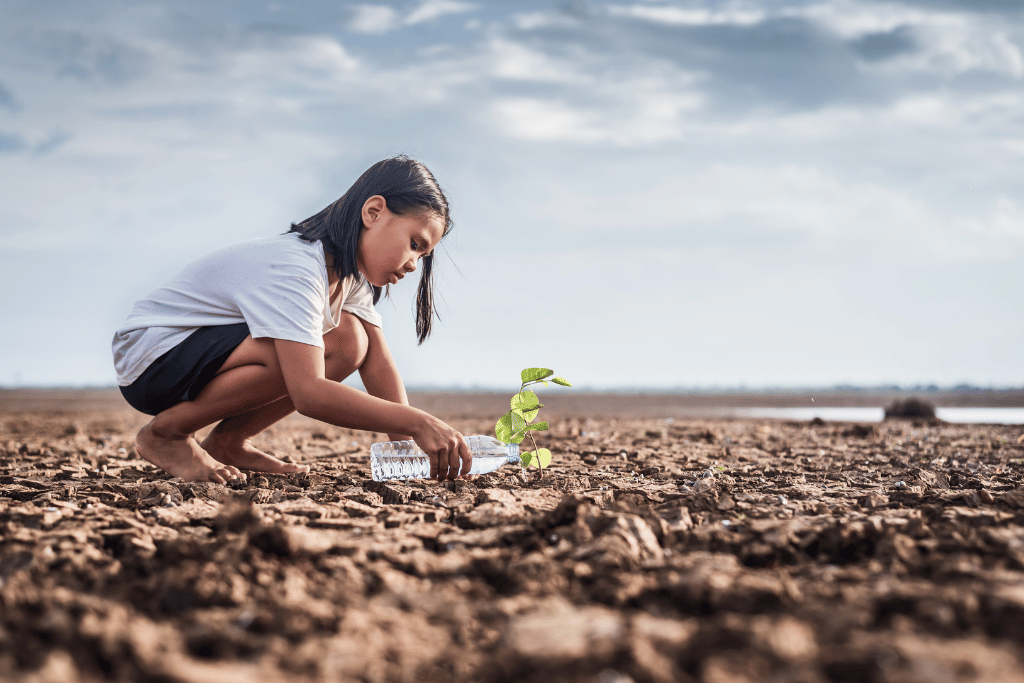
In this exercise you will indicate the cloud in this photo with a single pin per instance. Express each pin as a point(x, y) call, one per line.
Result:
point(509, 59)
point(434, 9)
point(687, 16)
point(653, 118)
point(373, 19)
point(381, 19)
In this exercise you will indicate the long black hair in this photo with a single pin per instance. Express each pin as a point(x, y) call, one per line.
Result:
point(408, 187)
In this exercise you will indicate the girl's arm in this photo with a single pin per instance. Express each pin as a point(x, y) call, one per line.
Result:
point(315, 396)
point(380, 373)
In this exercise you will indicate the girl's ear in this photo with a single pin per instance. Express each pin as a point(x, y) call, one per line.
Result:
point(373, 209)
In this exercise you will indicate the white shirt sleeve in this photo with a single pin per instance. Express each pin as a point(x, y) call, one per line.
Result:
point(288, 306)
point(359, 302)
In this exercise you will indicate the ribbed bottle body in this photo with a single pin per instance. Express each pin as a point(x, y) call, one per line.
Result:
point(391, 460)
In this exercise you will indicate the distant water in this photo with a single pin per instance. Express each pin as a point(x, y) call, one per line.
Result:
point(1006, 416)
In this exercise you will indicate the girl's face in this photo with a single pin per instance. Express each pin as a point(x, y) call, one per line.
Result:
point(391, 244)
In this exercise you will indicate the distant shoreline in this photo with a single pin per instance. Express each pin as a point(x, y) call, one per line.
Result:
point(568, 403)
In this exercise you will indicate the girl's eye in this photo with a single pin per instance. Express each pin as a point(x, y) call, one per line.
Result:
point(415, 246)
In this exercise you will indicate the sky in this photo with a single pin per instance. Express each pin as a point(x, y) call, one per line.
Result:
point(773, 193)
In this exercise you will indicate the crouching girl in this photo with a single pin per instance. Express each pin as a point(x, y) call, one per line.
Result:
point(255, 331)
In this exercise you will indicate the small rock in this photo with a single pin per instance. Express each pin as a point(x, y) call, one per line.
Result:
point(706, 485)
point(590, 633)
point(874, 500)
point(1014, 498)
point(792, 641)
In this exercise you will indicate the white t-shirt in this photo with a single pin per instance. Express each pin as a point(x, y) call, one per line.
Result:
point(277, 285)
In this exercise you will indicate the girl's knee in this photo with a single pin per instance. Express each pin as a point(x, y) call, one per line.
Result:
point(345, 347)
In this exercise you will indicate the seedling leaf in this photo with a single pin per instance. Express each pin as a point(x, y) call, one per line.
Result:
point(561, 381)
point(539, 427)
point(543, 457)
point(534, 374)
point(525, 400)
point(526, 458)
point(508, 425)
point(518, 436)
point(526, 404)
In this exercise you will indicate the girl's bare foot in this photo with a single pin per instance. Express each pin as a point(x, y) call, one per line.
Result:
point(243, 455)
point(181, 457)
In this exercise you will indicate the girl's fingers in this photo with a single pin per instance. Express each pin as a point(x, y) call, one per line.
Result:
point(453, 461)
point(434, 459)
point(443, 463)
point(466, 455)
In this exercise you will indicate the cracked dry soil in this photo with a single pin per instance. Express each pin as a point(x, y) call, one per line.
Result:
point(714, 551)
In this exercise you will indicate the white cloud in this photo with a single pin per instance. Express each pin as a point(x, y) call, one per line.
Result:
point(602, 98)
point(978, 50)
point(1005, 225)
point(926, 109)
point(516, 61)
point(373, 19)
point(852, 19)
point(987, 112)
point(313, 60)
point(656, 118)
point(531, 21)
point(545, 121)
point(737, 15)
point(380, 19)
point(433, 9)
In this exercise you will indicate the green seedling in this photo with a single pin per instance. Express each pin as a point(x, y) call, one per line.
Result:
point(518, 422)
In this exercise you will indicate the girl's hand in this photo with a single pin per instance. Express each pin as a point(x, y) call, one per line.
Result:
point(445, 447)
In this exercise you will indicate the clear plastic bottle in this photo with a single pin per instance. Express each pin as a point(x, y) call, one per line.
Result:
point(391, 460)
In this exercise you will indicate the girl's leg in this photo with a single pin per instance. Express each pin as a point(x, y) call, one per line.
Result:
point(248, 382)
point(230, 441)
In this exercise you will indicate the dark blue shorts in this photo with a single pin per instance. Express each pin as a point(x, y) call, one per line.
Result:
point(184, 371)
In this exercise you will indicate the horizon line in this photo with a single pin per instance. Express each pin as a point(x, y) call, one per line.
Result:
point(636, 389)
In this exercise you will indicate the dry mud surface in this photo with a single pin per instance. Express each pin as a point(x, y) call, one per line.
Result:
point(653, 550)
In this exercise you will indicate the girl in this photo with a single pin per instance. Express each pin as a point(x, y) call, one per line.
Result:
point(257, 330)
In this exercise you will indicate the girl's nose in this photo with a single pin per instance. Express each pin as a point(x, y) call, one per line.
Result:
point(410, 265)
